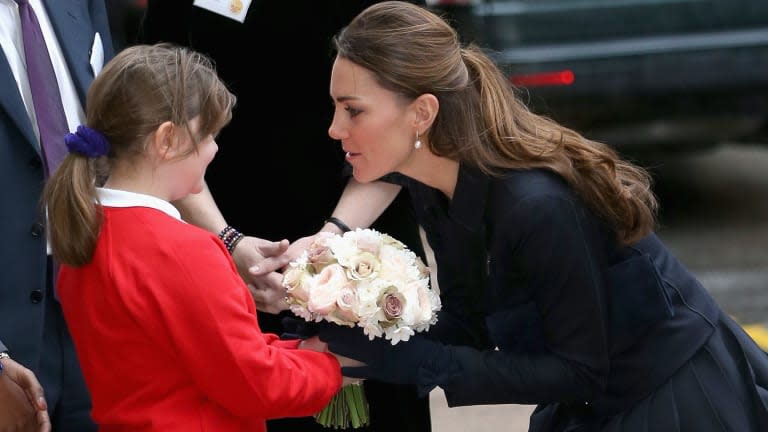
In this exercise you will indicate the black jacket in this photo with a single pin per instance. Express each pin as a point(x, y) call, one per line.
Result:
point(578, 318)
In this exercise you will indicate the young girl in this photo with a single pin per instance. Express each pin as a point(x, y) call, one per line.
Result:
point(164, 326)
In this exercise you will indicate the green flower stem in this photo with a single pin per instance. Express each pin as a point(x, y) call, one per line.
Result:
point(348, 405)
point(351, 396)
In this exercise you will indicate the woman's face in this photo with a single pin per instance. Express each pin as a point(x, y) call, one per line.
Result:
point(375, 126)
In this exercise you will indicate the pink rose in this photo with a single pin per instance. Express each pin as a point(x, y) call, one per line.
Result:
point(327, 289)
point(346, 306)
point(392, 303)
point(319, 254)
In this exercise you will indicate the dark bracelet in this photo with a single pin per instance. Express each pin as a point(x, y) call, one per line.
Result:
point(338, 222)
point(231, 237)
point(3, 355)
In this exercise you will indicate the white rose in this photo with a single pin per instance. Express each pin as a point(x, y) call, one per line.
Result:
point(301, 311)
point(389, 240)
point(429, 302)
point(367, 296)
point(396, 264)
point(367, 240)
point(296, 281)
point(343, 249)
point(363, 266)
point(418, 305)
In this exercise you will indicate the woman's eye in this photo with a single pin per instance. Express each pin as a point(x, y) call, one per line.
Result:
point(352, 111)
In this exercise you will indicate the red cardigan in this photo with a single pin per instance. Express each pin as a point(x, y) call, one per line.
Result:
point(166, 333)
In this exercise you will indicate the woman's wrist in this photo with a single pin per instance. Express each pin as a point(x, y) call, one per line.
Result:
point(336, 225)
point(331, 228)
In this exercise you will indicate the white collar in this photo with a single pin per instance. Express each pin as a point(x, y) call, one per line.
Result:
point(121, 198)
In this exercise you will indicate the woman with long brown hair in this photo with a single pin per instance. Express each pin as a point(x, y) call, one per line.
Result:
point(540, 233)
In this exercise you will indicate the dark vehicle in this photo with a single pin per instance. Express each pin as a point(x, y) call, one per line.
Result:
point(640, 75)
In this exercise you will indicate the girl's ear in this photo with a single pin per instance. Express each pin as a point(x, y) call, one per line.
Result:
point(425, 108)
point(164, 142)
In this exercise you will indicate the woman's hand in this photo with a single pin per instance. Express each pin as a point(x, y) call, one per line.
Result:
point(315, 344)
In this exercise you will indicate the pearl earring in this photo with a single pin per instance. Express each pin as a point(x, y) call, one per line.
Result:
point(417, 144)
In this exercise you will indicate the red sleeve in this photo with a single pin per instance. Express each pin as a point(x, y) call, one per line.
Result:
point(275, 341)
point(210, 314)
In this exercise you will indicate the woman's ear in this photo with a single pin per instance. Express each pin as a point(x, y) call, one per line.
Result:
point(425, 108)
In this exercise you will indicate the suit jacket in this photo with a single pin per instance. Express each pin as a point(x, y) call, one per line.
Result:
point(23, 298)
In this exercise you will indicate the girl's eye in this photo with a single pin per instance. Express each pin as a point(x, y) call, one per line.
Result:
point(352, 111)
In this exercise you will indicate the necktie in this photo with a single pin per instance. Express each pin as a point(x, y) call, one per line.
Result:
point(51, 120)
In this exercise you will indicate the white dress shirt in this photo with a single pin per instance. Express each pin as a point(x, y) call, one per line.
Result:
point(12, 44)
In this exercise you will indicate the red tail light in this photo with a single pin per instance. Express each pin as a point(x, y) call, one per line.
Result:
point(559, 78)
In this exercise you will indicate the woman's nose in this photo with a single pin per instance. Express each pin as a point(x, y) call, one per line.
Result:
point(334, 131)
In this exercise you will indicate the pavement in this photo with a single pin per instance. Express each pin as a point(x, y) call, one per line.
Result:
point(478, 418)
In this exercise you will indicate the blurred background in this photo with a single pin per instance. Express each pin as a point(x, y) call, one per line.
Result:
point(678, 86)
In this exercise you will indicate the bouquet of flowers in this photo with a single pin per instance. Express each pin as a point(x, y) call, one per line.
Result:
point(367, 279)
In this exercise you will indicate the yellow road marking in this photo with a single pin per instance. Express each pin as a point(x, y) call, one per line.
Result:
point(759, 333)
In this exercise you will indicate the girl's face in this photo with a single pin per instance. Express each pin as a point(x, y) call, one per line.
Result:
point(375, 126)
point(189, 172)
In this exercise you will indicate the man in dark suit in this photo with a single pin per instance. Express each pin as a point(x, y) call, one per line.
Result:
point(276, 152)
point(34, 342)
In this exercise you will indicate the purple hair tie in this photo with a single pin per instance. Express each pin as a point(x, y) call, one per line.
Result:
point(88, 142)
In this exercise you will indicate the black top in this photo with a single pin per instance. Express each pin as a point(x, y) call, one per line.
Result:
point(576, 316)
